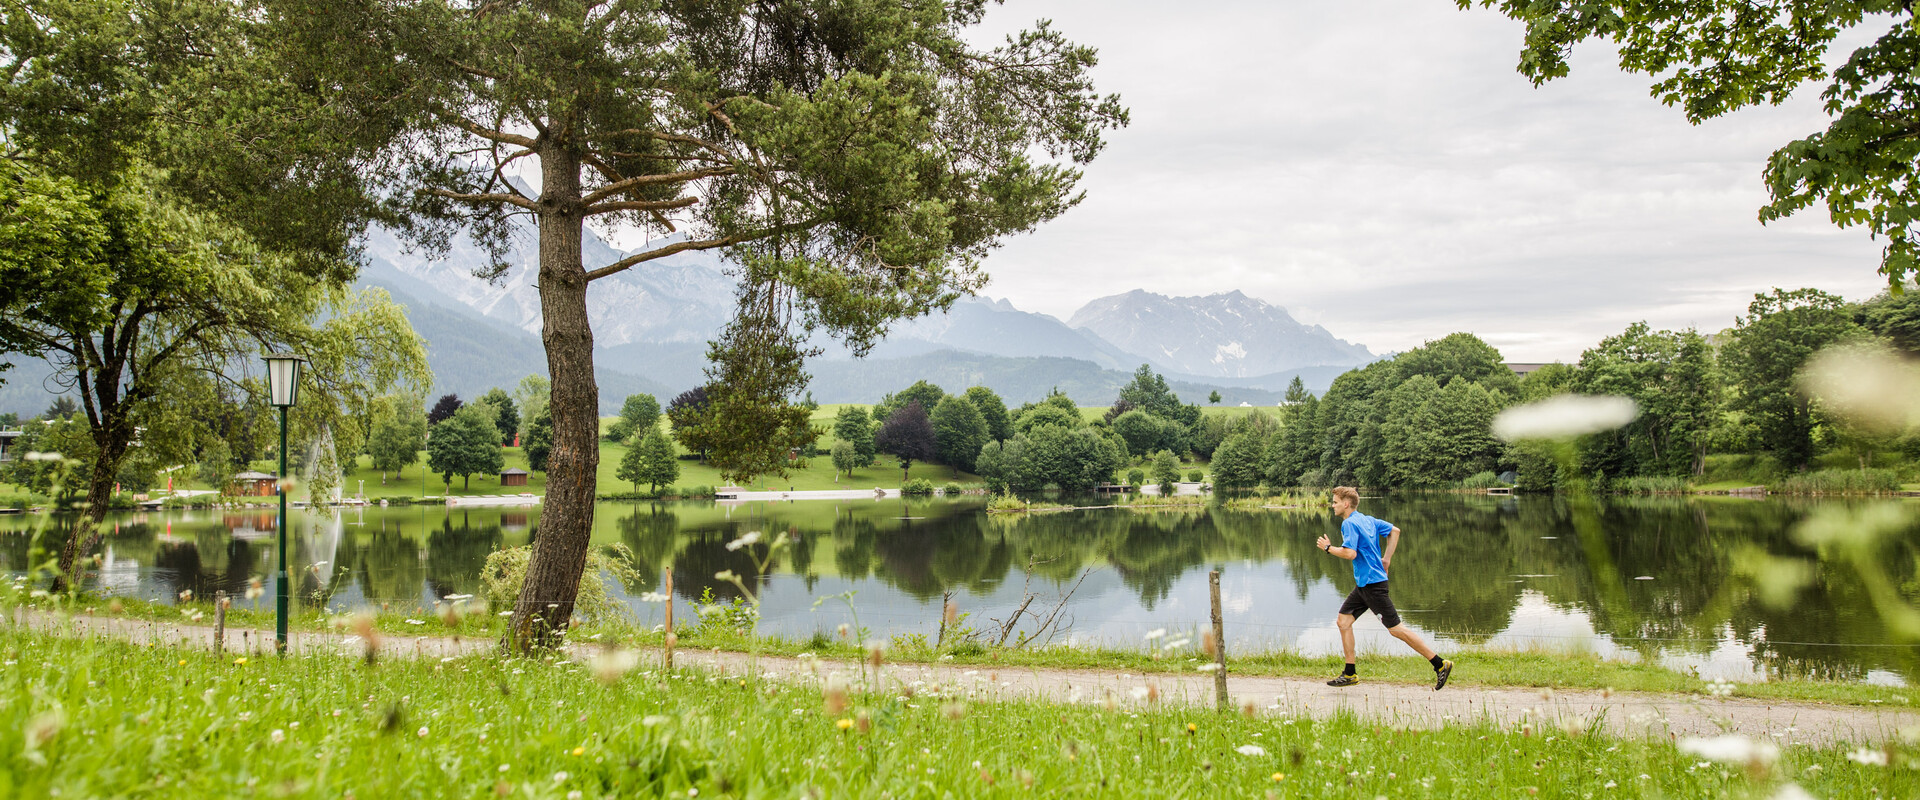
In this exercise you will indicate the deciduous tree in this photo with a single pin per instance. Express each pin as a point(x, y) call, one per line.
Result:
point(958, 432)
point(444, 409)
point(1769, 346)
point(397, 441)
point(507, 419)
point(907, 435)
point(857, 160)
point(993, 410)
point(853, 426)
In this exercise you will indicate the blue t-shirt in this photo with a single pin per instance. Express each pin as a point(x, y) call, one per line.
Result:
point(1362, 533)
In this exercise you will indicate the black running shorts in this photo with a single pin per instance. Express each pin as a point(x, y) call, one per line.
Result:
point(1371, 597)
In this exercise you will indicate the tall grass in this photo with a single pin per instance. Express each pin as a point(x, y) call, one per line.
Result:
point(1650, 484)
point(86, 718)
point(1840, 481)
point(1481, 480)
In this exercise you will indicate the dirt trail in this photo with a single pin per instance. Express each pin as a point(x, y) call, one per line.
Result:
point(1627, 714)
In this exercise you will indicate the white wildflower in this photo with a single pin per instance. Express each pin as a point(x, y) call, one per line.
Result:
point(1791, 791)
point(1250, 750)
point(745, 540)
point(609, 665)
point(1868, 384)
point(1564, 417)
point(1731, 749)
point(1869, 757)
point(1156, 633)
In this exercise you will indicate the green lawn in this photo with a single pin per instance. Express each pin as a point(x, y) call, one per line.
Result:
point(95, 718)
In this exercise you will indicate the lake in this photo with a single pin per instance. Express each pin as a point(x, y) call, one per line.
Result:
point(1664, 581)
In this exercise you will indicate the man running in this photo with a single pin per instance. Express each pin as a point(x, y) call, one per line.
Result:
point(1360, 544)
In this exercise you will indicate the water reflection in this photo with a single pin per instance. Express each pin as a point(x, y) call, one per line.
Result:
point(1496, 572)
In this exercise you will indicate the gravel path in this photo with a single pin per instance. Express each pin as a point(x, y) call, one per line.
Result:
point(1627, 714)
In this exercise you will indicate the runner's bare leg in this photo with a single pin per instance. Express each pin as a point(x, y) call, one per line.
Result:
point(1401, 632)
point(1345, 621)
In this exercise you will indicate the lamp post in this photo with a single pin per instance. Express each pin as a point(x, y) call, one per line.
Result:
point(283, 390)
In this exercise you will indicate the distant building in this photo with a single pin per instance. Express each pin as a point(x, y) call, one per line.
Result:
point(513, 477)
point(255, 484)
point(6, 444)
point(1245, 404)
point(1522, 369)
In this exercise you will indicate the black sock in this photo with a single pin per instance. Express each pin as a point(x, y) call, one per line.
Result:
point(1348, 670)
point(1435, 661)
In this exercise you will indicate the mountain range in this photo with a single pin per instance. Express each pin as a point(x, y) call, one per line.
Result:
point(651, 324)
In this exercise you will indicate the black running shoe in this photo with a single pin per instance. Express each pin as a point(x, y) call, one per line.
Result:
point(1344, 680)
point(1440, 675)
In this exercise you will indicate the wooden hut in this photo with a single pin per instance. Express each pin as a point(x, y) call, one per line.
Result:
point(513, 477)
point(255, 484)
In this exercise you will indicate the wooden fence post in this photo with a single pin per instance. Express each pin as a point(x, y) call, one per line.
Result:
point(220, 621)
point(1219, 646)
point(669, 637)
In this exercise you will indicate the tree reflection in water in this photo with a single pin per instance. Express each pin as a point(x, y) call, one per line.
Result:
point(1468, 565)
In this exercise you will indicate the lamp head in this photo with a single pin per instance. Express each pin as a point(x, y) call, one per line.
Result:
point(283, 378)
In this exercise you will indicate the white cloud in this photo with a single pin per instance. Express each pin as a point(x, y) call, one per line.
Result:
point(1379, 168)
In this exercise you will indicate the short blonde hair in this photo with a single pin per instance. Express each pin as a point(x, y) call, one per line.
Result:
point(1346, 493)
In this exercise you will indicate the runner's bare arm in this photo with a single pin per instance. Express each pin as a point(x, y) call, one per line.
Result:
point(1347, 553)
point(1386, 556)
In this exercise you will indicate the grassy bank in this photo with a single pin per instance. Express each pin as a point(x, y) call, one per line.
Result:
point(90, 719)
point(1490, 667)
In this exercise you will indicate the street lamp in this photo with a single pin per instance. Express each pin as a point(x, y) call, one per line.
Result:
point(283, 390)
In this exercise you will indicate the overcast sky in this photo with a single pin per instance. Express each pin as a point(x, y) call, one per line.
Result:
point(1379, 168)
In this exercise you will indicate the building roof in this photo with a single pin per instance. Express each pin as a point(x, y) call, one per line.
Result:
point(11, 434)
point(253, 476)
point(515, 471)
point(1522, 368)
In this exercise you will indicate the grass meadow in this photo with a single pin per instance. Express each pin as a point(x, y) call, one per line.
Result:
point(96, 718)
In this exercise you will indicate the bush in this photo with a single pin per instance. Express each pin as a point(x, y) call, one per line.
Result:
point(1651, 484)
point(917, 486)
point(1195, 476)
point(1481, 480)
point(692, 492)
point(18, 502)
point(1136, 476)
point(1840, 481)
point(506, 570)
point(953, 490)
point(1006, 502)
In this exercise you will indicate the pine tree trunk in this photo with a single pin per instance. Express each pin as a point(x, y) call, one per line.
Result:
point(566, 515)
